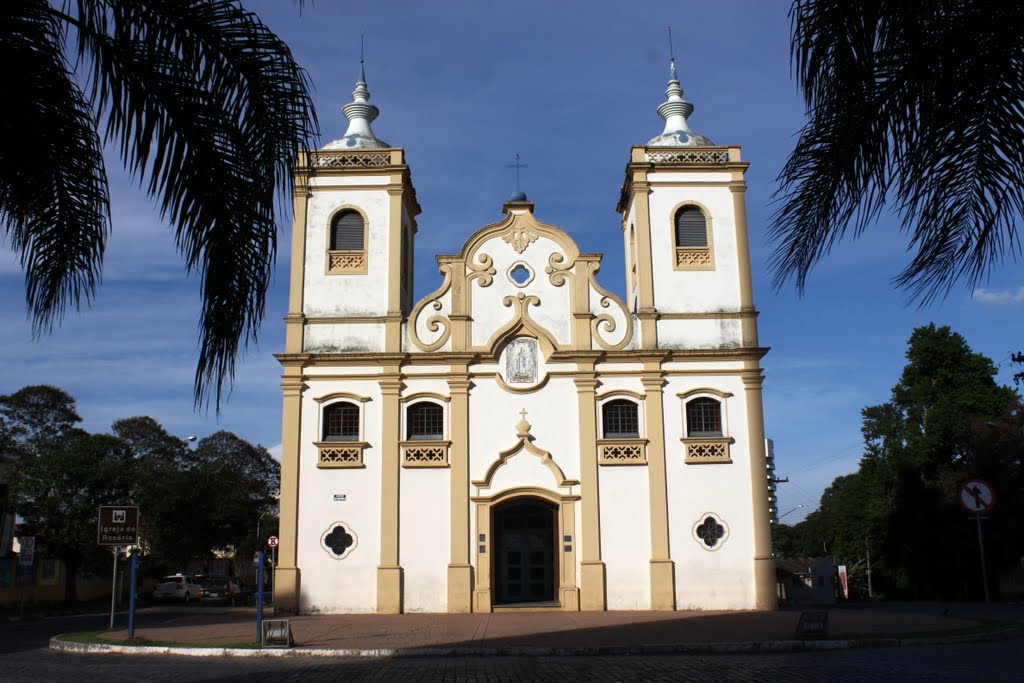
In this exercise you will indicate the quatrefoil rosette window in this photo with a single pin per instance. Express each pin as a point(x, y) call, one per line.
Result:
point(710, 531)
point(339, 540)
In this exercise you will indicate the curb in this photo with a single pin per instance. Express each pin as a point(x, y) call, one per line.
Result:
point(741, 647)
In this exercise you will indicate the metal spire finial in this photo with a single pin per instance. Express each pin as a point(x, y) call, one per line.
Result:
point(675, 111)
point(362, 59)
point(360, 114)
point(671, 56)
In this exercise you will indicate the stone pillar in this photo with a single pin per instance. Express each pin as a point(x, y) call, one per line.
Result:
point(592, 571)
point(764, 563)
point(389, 572)
point(663, 594)
point(286, 576)
point(460, 572)
point(749, 320)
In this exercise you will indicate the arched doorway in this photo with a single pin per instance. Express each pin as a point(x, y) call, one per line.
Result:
point(525, 569)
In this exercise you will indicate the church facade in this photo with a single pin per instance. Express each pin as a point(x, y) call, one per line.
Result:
point(522, 437)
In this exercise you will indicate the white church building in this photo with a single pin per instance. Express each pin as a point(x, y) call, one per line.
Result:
point(522, 438)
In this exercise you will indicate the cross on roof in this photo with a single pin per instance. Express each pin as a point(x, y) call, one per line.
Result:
point(517, 166)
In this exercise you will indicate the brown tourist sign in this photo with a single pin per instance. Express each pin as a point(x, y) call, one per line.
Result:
point(118, 525)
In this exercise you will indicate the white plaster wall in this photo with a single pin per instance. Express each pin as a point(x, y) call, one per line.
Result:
point(361, 338)
point(424, 537)
point(490, 315)
point(625, 536)
point(424, 509)
point(326, 584)
point(347, 295)
point(723, 578)
point(694, 290)
point(709, 333)
point(552, 412)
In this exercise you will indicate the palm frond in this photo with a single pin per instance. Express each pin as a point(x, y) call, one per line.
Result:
point(53, 189)
point(915, 104)
point(207, 107)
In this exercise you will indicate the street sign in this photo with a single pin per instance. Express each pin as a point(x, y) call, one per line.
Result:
point(977, 496)
point(118, 525)
point(272, 541)
point(28, 550)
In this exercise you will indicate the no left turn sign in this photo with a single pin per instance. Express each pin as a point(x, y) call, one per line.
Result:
point(977, 496)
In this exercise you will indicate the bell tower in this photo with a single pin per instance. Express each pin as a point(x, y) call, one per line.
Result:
point(352, 241)
point(685, 236)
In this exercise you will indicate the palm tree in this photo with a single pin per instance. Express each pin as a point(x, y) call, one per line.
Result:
point(205, 106)
point(915, 105)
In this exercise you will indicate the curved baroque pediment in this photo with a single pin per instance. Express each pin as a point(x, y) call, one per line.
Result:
point(519, 277)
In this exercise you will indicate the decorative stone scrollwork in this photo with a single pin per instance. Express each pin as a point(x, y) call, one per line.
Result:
point(686, 157)
point(558, 269)
point(425, 456)
point(707, 450)
point(361, 159)
point(483, 270)
point(347, 262)
point(440, 325)
point(693, 257)
point(630, 452)
point(605, 323)
point(520, 238)
point(340, 455)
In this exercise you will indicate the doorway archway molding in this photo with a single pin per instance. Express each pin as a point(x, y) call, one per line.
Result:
point(565, 559)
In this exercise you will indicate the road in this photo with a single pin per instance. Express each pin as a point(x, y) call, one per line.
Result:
point(25, 657)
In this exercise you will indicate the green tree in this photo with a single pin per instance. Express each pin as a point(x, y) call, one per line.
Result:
point(913, 105)
point(36, 419)
point(205, 106)
point(947, 420)
point(246, 478)
point(194, 501)
point(59, 491)
point(163, 486)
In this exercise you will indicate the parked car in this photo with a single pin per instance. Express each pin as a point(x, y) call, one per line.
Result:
point(222, 589)
point(177, 587)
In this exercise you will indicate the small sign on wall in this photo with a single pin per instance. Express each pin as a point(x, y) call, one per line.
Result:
point(340, 497)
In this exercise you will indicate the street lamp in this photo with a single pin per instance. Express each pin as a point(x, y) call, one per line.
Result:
point(788, 511)
point(258, 541)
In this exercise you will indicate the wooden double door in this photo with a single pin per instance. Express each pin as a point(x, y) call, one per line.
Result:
point(525, 533)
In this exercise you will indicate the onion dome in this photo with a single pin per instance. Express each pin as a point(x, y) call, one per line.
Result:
point(360, 114)
point(674, 110)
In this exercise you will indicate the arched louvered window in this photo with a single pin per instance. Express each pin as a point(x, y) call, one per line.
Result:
point(347, 232)
point(691, 229)
point(704, 417)
point(424, 422)
point(619, 420)
point(341, 422)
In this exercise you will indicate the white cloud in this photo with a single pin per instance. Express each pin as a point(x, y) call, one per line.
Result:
point(276, 452)
point(1002, 298)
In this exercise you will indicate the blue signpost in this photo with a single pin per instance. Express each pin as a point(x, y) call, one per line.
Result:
point(259, 596)
point(132, 593)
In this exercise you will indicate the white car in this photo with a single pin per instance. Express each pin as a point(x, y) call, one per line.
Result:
point(177, 587)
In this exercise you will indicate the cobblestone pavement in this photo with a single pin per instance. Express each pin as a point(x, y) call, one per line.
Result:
point(997, 661)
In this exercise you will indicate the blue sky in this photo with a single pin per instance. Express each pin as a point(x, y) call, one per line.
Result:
point(570, 86)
